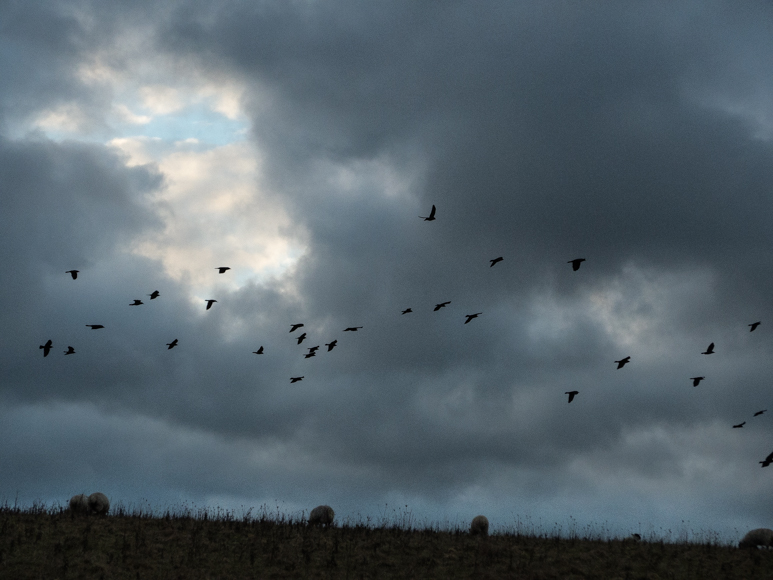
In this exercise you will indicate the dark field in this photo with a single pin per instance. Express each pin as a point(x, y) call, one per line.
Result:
point(50, 543)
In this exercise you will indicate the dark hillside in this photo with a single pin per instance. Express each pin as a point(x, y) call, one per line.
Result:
point(53, 543)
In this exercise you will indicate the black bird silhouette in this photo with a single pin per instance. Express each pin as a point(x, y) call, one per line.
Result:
point(70, 350)
point(222, 269)
point(431, 215)
point(95, 326)
point(571, 395)
point(696, 380)
point(709, 350)
point(768, 460)
point(172, 344)
point(294, 327)
point(495, 260)
point(352, 329)
point(155, 294)
point(407, 310)
point(739, 425)
point(136, 303)
point(47, 347)
point(73, 273)
point(295, 379)
point(760, 412)
point(623, 361)
point(441, 305)
point(471, 316)
point(313, 348)
point(259, 351)
point(754, 325)
point(331, 345)
point(210, 302)
point(576, 263)
point(310, 354)
point(301, 337)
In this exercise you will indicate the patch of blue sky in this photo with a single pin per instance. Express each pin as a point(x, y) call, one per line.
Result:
point(207, 127)
point(201, 123)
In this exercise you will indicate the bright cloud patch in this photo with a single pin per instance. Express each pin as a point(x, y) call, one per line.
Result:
point(64, 119)
point(161, 100)
point(193, 131)
point(632, 306)
point(215, 214)
point(124, 113)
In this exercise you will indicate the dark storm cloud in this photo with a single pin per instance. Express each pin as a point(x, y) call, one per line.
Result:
point(62, 206)
point(561, 127)
point(42, 45)
point(546, 134)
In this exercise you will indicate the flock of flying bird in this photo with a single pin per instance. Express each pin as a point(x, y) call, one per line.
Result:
point(312, 351)
point(623, 361)
point(695, 382)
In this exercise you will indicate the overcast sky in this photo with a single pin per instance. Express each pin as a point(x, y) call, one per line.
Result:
point(146, 144)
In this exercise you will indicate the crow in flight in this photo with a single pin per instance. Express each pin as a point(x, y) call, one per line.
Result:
point(571, 395)
point(471, 316)
point(696, 380)
point(301, 337)
point(73, 273)
point(754, 325)
point(155, 294)
point(495, 260)
point(331, 345)
point(622, 362)
point(294, 327)
point(295, 379)
point(136, 302)
point(47, 347)
point(407, 310)
point(313, 348)
point(768, 460)
point(709, 350)
point(259, 351)
point(576, 263)
point(210, 302)
point(739, 425)
point(760, 412)
point(441, 305)
point(431, 215)
point(172, 344)
point(352, 329)
point(95, 326)
point(70, 350)
point(222, 269)
point(310, 354)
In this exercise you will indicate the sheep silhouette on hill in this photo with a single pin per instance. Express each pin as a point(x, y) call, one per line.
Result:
point(757, 537)
point(479, 526)
point(95, 504)
point(322, 515)
point(99, 504)
point(79, 504)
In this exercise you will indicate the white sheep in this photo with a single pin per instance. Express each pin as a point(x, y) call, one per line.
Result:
point(758, 537)
point(99, 504)
point(479, 525)
point(79, 504)
point(322, 515)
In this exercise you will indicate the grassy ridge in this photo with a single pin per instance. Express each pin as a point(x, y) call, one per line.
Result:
point(53, 543)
